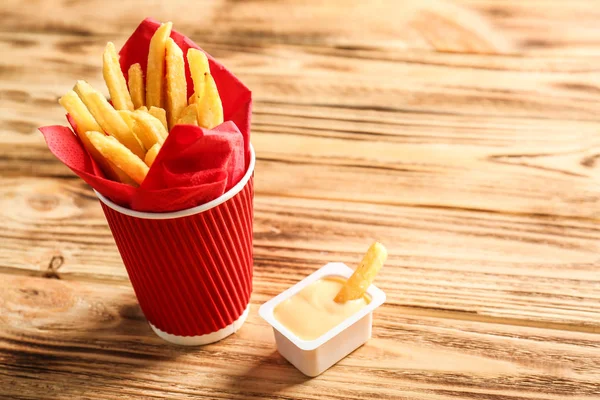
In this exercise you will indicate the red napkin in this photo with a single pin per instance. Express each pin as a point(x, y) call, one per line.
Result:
point(195, 165)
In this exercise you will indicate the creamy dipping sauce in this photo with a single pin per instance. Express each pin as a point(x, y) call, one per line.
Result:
point(312, 311)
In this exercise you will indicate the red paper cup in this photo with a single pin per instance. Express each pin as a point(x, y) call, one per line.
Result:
point(191, 270)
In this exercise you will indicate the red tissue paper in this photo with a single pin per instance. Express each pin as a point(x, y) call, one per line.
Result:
point(195, 165)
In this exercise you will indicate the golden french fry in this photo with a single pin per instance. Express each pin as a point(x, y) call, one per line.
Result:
point(160, 114)
point(199, 67)
point(192, 99)
point(176, 97)
point(115, 81)
point(210, 109)
point(356, 286)
point(151, 154)
point(122, 176)
point(107, 117)
point(156, 66)
point(126, 115)
point(137, 90)
point(148, 129)
point(78, 111)
point(120, 155)
point(84, 122)
point(143, 108)
point(189, 116)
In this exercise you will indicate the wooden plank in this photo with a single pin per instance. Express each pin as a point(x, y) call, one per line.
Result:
point(528, 270)
point(543, 26)
point(534, 27)
point(428, 139)
point(388, 24)
point(484, 85)
point(84, 340)
point(462, 134)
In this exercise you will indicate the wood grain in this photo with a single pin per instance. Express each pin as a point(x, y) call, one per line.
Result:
point(454, 128)
point(485, 266)
point(88, 339)
point(462, 134)
point(536, 27)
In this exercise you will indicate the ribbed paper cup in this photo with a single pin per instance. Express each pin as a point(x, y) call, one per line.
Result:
point(191, 270)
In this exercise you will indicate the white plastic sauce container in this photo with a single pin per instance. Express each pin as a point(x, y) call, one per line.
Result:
point(312, 357)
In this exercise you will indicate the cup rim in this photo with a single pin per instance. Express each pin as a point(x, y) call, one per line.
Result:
point(188, 211)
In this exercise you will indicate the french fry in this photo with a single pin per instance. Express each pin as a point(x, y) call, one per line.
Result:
point(148, 129)
point(126, 115)
point(115, 81)
point(199, 67)
point(151, 154)
point(78, 111)
point(107, 117)
point(143, 108)
point(122, 176)
point(189, 116)
point(176, 97)
point(156, 66)
point(120, 155)
point(137, 90)
point(210, 109)
point(160, 114)
point(84, 122)
point(356, 286)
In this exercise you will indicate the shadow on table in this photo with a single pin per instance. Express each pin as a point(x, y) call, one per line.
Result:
point(254, 375)
point(93, 349)
point(268, 376)
point(107, 347)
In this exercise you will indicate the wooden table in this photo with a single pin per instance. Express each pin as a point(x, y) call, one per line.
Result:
point(464, 135)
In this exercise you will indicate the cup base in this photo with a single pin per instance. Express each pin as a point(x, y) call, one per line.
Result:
point(203, 339)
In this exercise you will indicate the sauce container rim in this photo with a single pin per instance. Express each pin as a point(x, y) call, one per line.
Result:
point(331, 269)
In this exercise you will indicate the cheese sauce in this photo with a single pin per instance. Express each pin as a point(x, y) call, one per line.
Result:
point(312, 311)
